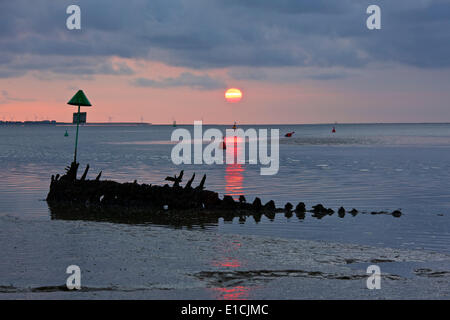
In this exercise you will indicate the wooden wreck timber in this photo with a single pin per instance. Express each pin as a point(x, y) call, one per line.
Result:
point(73, 198)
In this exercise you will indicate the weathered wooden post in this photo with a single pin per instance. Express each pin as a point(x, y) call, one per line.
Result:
point(79, 99)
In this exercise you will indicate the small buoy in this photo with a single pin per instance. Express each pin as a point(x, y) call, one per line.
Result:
point(289, 134)
point(334, 130)
point(66, 134)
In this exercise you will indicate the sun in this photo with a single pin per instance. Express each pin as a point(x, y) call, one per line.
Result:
point(233, 95)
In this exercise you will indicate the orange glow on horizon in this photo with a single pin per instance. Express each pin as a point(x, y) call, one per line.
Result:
point(233, 95)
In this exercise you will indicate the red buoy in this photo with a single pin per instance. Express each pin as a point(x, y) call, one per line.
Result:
point(289, 134)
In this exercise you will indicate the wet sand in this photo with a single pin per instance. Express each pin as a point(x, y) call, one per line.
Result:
point(150, 262)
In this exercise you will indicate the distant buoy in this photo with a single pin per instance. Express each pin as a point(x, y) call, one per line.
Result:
point(289, 134)
point(334, 130)
point(66, 134)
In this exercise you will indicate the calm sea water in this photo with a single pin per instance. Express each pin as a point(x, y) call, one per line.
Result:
point(367, 166)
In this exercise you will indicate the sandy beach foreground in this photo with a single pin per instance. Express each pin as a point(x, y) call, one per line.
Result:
point(161, 263)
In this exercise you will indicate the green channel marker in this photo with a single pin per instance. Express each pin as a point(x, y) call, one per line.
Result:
point(80, 100)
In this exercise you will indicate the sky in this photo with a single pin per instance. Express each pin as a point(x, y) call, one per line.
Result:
point(296, 61)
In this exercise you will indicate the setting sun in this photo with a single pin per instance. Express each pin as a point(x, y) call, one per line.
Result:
point(233, 95)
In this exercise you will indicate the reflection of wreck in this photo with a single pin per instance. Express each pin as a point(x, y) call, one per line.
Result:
point(73, 198)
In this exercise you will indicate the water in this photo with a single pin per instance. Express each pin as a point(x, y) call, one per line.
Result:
point(370, 167)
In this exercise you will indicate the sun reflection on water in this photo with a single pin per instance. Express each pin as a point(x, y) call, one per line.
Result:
point(234, 180)
point(233, 293)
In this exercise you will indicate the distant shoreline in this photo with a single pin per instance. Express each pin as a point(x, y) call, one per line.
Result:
point(55, 123)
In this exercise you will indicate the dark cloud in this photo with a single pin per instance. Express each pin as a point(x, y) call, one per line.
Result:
point(186, 79)
point(202, 34)
point(294, 7)
point(287, 75)
point(329, 76)
point(63, 65)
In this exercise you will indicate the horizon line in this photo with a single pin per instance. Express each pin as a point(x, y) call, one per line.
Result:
point(53, 122)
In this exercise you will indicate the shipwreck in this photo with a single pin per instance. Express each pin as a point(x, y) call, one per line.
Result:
point(76, 198)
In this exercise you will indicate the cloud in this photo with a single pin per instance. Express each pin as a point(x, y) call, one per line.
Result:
point(185, 79)
point(295, 7)
point(204, 34)
point(56, 67)
point(289, 75)
point(329, 76)
point(5, 98)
